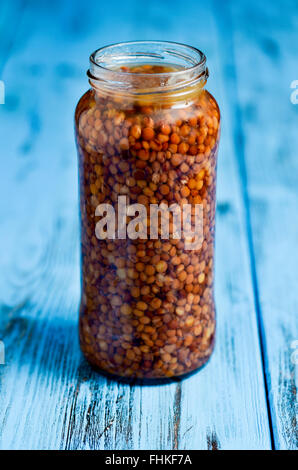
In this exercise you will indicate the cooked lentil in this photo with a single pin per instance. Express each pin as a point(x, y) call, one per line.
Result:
point(147, 306)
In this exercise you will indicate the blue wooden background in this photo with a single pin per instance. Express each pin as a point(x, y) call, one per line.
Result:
point(245, 398)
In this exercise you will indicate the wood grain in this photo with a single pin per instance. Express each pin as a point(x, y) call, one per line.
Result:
point(50, 397)
point(262, 55)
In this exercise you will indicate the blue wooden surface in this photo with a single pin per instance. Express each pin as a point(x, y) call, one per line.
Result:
point(245, 398)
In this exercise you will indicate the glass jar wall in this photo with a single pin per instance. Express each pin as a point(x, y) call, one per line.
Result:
point(147, 133)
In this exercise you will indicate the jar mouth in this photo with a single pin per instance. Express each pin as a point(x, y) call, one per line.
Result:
point(187, 66)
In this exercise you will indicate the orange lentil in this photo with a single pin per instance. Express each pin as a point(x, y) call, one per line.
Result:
point(175, 139)
point(164, 189)
point(183, 147)
point(185, 191)
point(176, 159)
point(161, 267)
point(136, 131)
point(148, 133)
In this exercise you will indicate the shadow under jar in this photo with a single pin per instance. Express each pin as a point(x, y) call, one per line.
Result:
point(147, 133)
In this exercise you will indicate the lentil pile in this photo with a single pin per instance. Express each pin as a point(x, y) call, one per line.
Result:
point(147, 308)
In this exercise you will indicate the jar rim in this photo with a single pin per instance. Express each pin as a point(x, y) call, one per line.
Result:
point(200, 62)
point(190, 63)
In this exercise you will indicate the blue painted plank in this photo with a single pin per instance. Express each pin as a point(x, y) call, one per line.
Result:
point(50, 398)
point(10, 16)
point(261, 59)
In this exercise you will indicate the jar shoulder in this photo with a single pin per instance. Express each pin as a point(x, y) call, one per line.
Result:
point(212, 103)
point(85, 102)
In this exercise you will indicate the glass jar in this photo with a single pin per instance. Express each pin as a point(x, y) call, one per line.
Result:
point(147, 135)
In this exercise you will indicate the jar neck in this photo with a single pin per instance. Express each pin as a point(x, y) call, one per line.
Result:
point(181, 71)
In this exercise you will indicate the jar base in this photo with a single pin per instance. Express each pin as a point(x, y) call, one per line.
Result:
point(147, 380)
